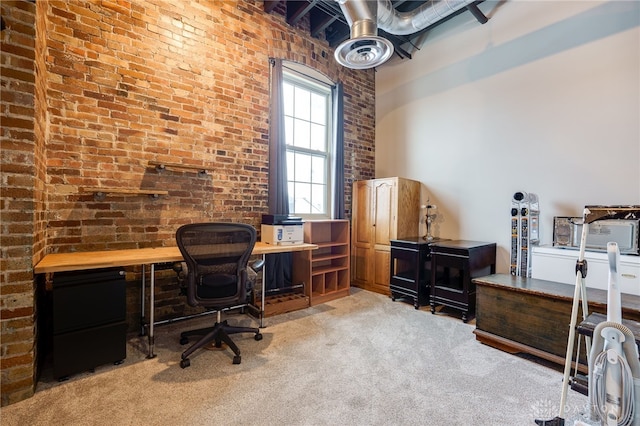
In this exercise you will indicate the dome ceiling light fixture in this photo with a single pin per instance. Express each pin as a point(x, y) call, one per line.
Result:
point(365, 49)
point(364, 52)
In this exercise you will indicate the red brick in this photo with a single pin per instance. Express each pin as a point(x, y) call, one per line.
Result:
point(8, 362)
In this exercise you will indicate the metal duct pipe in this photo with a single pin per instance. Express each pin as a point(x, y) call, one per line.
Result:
point(365, 49)
point(361, 16)
point(405, 23)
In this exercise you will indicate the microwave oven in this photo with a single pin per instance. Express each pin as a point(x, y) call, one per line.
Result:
point(567, 232)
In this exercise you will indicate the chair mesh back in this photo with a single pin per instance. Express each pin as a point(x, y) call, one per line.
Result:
point(216, 255)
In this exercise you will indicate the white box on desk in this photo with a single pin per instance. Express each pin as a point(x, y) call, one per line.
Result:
point(282, 234)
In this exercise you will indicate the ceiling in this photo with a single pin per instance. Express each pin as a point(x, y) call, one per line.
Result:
point(326, 21)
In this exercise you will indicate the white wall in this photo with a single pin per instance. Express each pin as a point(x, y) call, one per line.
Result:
point(543, 98)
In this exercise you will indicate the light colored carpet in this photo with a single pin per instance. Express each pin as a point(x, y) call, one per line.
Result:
point(360, 360)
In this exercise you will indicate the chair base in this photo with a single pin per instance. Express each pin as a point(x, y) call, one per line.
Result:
point(218, 333)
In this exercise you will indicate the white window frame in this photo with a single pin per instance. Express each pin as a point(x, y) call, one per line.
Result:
point(313, 85)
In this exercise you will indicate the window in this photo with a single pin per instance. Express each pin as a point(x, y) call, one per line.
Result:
point(307, 117)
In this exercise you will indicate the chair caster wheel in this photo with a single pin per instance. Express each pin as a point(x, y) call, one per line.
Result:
point(258, 336)
point(184, 363)
point(184, 340)
point(237, 359)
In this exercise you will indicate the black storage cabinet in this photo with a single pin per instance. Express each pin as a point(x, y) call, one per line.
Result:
point(89, 320)
point(410, 272)
point(453, 265)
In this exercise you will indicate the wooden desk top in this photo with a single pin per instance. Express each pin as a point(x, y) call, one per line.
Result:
point(60, 262)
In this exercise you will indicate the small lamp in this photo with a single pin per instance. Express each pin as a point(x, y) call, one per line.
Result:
point(429, 219)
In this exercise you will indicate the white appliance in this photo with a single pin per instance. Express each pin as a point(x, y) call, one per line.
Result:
point(558, 264)
point(282, 234)
point(624, 232)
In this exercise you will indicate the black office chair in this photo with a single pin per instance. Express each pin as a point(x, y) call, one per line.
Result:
point(217, 278)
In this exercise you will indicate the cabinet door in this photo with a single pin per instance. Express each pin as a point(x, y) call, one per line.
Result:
point(382, 266)
point(362, 213)
point(383, 212)
point(362, 239)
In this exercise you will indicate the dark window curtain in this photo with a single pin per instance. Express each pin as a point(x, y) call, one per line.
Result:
point(277, 266)
point(338, 150)
point(278, 193)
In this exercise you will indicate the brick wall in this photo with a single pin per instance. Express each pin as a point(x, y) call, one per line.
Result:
point(148, 81)
point(22, 238)
point(127, 83)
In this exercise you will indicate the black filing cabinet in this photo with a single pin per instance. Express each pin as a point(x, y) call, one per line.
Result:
point(453, 265)
point(89, 320)
point(410, 271)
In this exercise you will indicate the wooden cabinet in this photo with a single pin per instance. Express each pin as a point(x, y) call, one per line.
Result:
point(330, 263)
point(383, 209)
point(529, 315)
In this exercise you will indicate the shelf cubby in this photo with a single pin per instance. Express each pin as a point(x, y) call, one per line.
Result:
point(330, 263)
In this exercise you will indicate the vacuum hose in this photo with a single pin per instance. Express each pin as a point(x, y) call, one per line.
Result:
point(612, 385)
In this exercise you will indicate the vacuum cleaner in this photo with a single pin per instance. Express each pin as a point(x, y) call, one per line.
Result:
point(614, 368)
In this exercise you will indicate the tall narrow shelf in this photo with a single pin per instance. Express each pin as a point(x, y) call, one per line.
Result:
point(330, 263)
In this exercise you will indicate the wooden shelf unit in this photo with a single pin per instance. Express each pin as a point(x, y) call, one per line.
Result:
point(330, 263)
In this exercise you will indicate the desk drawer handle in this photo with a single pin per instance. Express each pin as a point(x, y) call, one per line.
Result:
point(631, 276)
